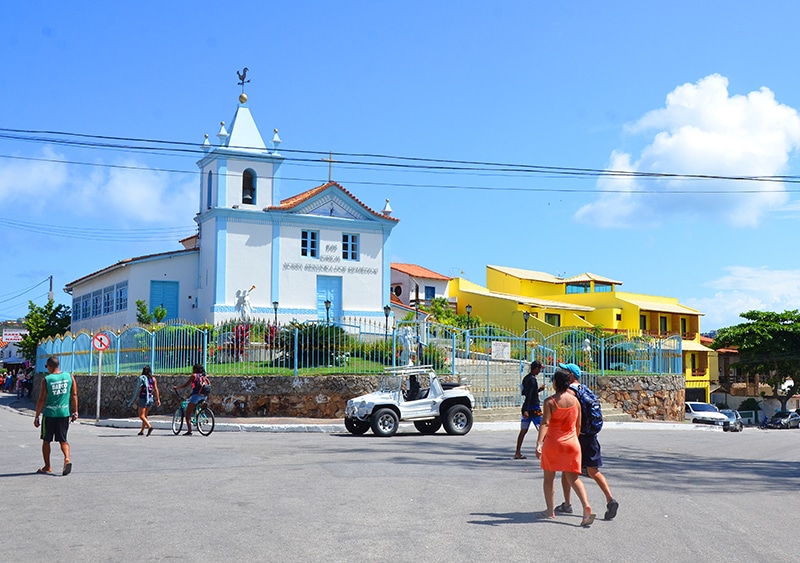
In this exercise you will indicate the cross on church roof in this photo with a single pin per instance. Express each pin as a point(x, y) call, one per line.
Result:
point(330, 162)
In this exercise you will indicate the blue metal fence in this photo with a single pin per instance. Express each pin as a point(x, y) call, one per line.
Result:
point(491, 359)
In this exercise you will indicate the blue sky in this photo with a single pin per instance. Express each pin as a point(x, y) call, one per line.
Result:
point(680, 88)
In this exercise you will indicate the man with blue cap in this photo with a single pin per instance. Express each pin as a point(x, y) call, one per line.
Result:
point(591, 460)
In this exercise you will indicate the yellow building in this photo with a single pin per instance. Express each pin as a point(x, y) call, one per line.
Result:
point(519, 299)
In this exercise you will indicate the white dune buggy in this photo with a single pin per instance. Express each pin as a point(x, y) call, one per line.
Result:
point(413, 394)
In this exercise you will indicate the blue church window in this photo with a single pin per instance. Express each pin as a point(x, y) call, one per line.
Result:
point(208, 191)
point(349, 247)
point(97, 303)
point(309, 244)
point(108, 300)
point(122, 296)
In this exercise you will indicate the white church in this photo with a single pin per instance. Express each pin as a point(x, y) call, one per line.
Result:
point(319, 254)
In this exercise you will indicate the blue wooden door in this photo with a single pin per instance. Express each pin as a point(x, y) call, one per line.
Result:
point(329, 288)
point(165, 294)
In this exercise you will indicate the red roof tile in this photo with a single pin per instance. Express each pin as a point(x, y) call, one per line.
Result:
point(418, 271)
point(295, 200)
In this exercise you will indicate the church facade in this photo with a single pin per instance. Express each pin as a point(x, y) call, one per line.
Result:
point(320, 254)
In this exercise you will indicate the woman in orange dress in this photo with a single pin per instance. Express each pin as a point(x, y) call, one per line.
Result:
point(558, 447)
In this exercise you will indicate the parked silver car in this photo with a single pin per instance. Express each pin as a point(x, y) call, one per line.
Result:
point(783, 419)
point(735, 420)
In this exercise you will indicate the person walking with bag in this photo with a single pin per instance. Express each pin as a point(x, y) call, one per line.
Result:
point(145, 395)
point(591, 459)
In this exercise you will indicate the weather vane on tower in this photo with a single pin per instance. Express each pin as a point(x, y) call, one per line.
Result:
point(242, 81)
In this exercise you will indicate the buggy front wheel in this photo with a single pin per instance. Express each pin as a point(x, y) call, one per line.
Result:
point(205, 421)
point(177, 422)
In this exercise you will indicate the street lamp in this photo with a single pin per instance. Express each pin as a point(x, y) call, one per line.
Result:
point(327, 311)
point(275, 306)
point(469, 315)
point(386, 311)
point(525, 316)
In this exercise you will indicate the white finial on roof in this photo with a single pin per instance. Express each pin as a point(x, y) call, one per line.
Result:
point(387, 209)
point(276, 141)
point(223, 133)
point(206, 144)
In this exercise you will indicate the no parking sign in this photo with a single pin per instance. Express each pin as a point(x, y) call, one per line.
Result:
point(100, 342)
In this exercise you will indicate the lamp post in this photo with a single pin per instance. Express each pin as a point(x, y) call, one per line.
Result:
point(327, 311)
point(386, 311)
point(275, 306)
point(469, 316)
point(525, 316)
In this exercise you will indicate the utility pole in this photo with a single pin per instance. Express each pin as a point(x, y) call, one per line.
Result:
point(50, 295)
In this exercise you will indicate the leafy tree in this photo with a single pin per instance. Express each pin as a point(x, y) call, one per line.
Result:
point(43, 322)
point(769, 347)
point(441, 311)
point(143, 315)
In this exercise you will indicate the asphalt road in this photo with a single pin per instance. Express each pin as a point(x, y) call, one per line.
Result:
point(242, 496)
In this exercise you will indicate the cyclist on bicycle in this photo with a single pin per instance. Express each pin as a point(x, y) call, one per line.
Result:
point(198, 381)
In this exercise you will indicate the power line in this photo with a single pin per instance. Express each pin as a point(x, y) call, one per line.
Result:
point(24, 291)
point(377, 160)
point(103, 235)
point(650, 176)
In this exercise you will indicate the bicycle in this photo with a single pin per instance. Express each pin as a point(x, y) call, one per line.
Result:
point(202, 419)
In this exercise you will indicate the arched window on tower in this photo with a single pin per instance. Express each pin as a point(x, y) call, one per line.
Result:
point(208, 191)
point(249, 187)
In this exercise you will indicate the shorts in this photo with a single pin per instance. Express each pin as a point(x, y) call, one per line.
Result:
point(144, 403)
point(525, 423)
point(54, 428)
point(196, 398)
point(590, 451)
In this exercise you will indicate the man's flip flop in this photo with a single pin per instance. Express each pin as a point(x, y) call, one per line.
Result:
point(520, 457)
point(67, 469)
point(41, 471)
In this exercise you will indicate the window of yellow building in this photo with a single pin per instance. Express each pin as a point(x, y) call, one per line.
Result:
point(552, 319)
point(578, 287)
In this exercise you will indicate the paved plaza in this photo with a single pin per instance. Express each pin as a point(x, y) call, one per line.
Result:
point(685, 495)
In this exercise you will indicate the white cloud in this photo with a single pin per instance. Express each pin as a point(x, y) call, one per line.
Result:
point(745, 289)
point(125, 197)
point(701, 130)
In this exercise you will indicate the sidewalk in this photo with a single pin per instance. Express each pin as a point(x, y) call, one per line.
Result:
point(485, 421)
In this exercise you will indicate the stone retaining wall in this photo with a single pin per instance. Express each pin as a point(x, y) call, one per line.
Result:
point(309, 397)
point(645, 397)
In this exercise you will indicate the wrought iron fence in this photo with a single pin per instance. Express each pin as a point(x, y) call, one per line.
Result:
point(491, 359)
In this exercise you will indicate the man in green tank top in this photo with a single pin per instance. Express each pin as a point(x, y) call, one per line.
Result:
point(58, 399)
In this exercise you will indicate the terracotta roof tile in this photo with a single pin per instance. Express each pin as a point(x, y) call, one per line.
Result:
point(418, 271)
point(295, 200)
point(127, 261)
